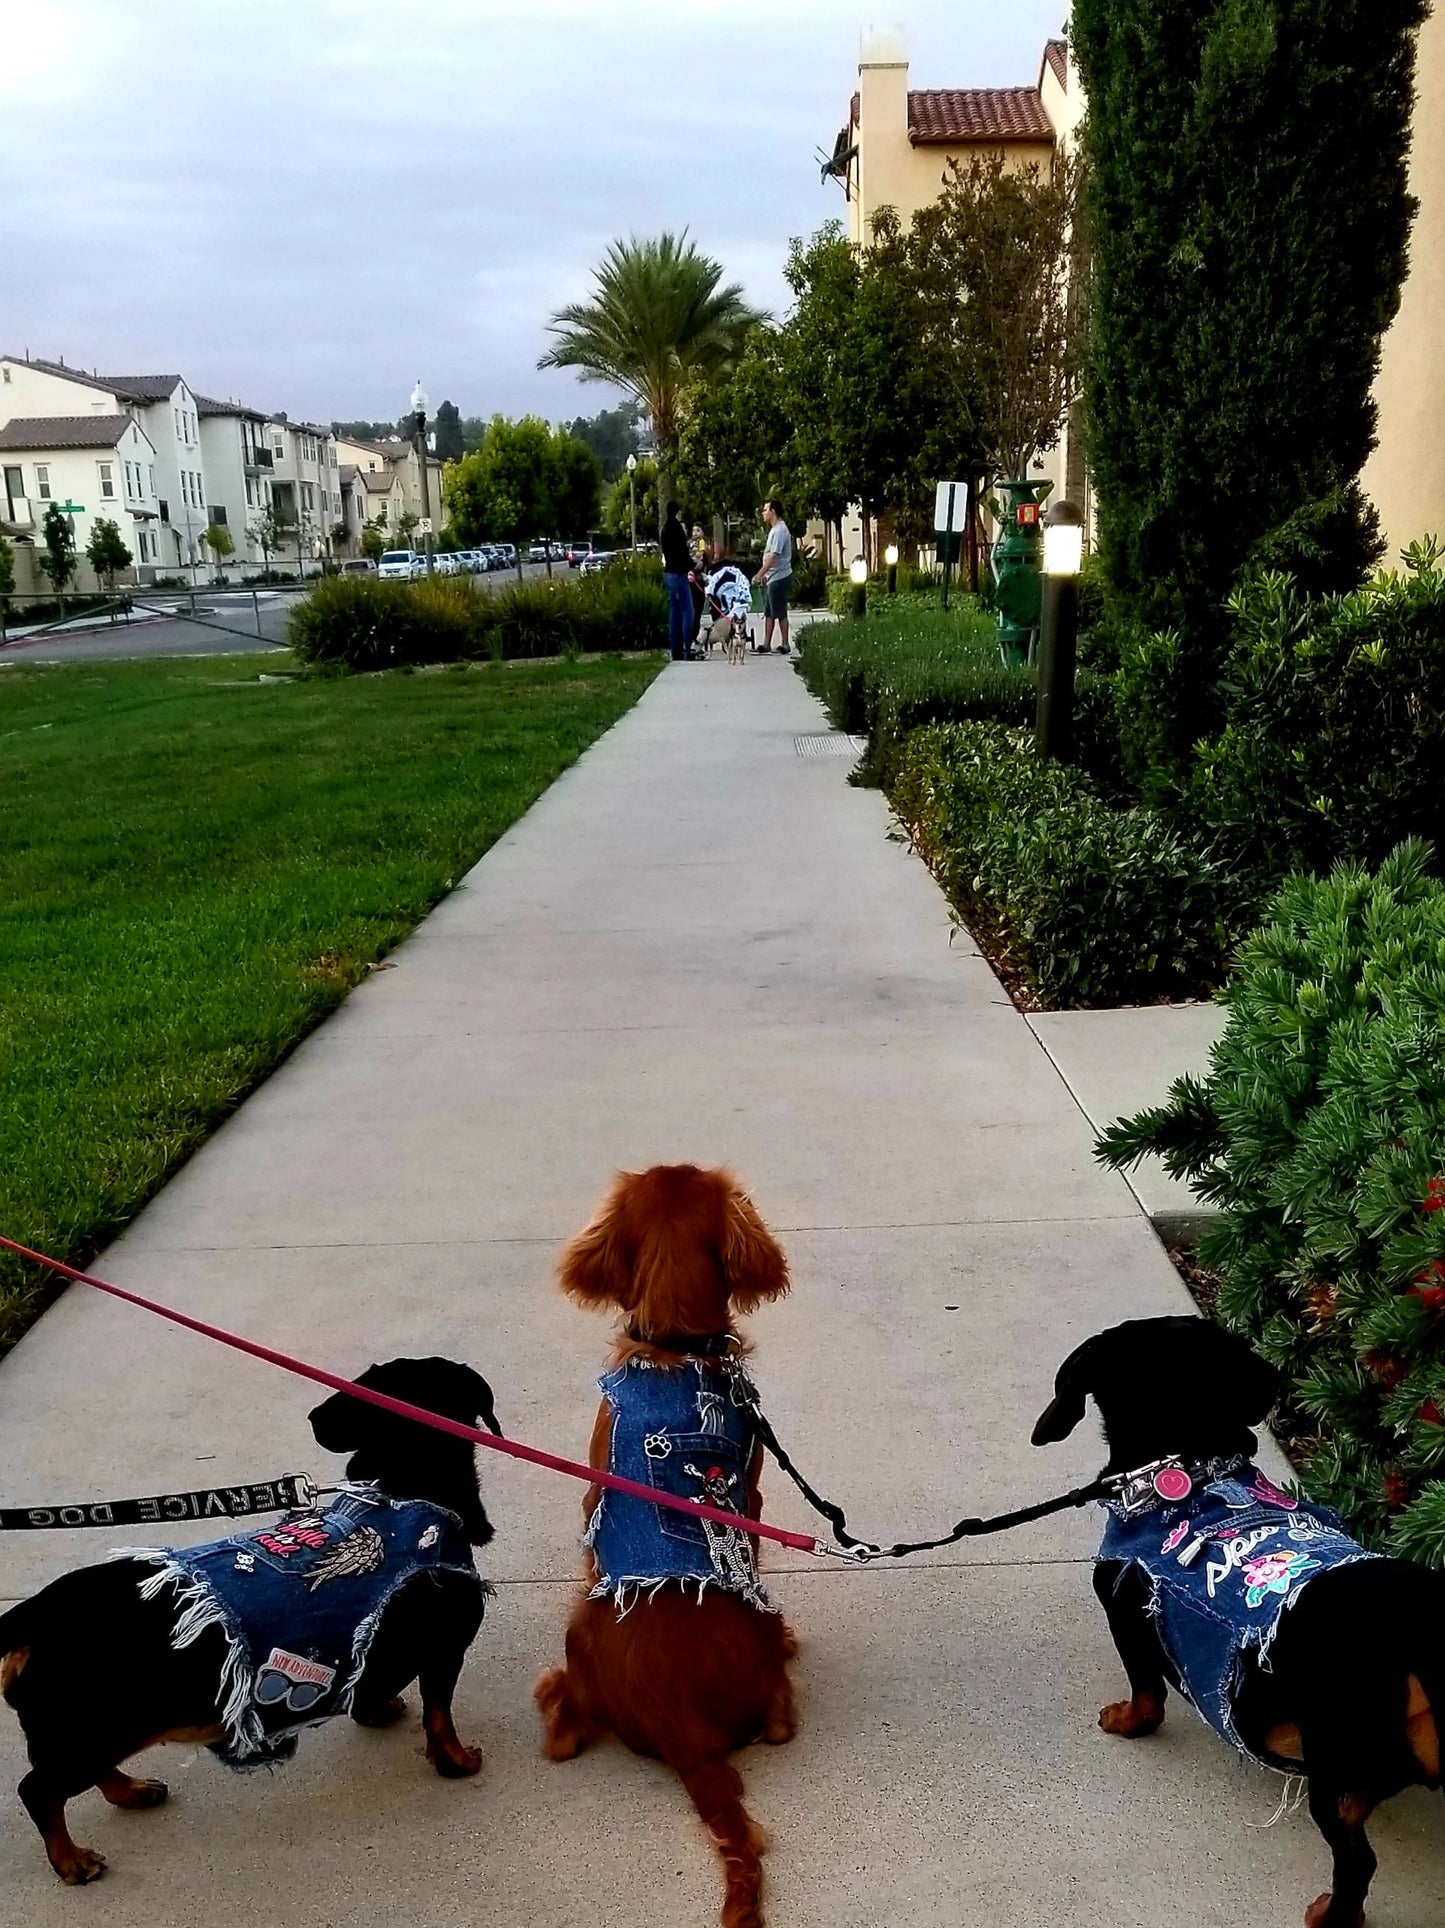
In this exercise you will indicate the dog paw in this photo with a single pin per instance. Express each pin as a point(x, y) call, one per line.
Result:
point(1132, 1719)
point(386, 1715)
point(456, 1763)
point(1317, 1915)
point(83, 1866)
point(145, 1794)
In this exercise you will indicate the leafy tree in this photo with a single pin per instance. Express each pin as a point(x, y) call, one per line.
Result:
point(659, 319)
point(106, 551)
point(612, 435)
point(58, 562)
point(1248, 223)
point(736, 441)
point(506, 490)
point(406, 524)
point(373, 542)
point(265, 530)
point(576, 485)
point(7, 574)
point(219, 541)
point(449, 433)
point(362, 431)
point(617, 510)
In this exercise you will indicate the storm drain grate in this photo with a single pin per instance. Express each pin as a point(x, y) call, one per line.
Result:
point(830, 743)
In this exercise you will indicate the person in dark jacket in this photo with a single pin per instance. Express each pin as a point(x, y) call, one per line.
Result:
point(676, 568)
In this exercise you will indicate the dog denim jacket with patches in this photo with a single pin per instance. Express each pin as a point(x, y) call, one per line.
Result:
point(299, 1603)
point(1222, 1567)
point(680, 1429)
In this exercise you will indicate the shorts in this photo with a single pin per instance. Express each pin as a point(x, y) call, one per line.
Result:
point(775, 598)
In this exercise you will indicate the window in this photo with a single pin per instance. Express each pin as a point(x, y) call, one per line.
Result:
point(151, 470)
point(14, 487)
point(217, 515)
point(165, 509)
point(308, 497)
point(200, 481)
point(179, 432)
point(250, 492)
point(278, 448)
point(42, 481)
point(107, 479)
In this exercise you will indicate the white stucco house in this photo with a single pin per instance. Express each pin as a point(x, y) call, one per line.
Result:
point(89, 466)
point(237, 461)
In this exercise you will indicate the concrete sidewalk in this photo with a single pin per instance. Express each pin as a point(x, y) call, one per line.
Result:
point(700, 944)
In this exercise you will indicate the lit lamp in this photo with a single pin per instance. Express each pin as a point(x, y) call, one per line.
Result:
point(632, 496)
point(418, 410)
point(890, 556)
point(1059, 629)
point(858, 595)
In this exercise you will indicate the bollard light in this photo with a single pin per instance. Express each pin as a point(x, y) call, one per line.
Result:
point(1059, 629)
point(858, 594)
point(890, 556)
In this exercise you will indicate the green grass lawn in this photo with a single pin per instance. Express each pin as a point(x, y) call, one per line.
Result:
point(195, 866)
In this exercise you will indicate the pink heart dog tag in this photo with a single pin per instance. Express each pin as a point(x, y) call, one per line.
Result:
point(1173, 1483)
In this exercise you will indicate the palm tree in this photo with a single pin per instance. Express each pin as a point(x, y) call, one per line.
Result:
point(658, 321)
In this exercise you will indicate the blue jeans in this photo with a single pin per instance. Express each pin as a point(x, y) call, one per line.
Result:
point(679, 615)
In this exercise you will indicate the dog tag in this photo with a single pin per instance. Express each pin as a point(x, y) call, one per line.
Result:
point(1172, 1483)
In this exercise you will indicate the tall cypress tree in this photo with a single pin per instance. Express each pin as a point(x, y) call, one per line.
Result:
point(1249, 226)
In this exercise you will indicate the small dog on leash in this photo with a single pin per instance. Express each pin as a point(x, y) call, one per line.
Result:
point(1310, 1655)
point(676, 1648)
point(735, 640)
point(242, 1643)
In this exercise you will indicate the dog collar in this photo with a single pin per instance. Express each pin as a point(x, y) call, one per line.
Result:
point(1164, 1482)
point(697, 1345)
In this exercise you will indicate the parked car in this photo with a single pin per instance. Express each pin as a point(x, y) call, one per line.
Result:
point(577, 553)
point(358, 566)
point(596, 560)
point(418, 566)
point(399, 563)
point(537, 552)
point(508, 552)
point(447, 563)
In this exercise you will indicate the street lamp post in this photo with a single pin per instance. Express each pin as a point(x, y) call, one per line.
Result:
point(890, 556)
point(632, 496)
point(858, 594)
point(1059, 629)
point(418, 409)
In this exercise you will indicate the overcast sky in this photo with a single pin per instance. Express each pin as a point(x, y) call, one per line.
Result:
point(307, 203)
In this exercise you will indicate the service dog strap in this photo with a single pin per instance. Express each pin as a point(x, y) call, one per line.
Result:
point(169, 1509)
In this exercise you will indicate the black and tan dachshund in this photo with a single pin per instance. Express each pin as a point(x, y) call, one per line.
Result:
point(104, 1662)
point(1356, 1658)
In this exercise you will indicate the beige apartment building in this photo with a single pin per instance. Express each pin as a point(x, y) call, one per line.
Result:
point(1405, 477)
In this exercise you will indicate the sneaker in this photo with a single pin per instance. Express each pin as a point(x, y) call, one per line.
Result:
point(763, 649)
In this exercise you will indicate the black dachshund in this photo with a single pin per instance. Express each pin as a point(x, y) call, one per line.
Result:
point(1309, 1654)
point(242, 1643)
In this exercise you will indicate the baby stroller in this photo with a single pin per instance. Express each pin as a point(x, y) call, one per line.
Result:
point(728, 610)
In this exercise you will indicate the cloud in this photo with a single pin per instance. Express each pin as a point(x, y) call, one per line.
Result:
point(307, 202)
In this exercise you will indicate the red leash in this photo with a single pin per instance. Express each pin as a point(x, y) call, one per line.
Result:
point(594, 1476)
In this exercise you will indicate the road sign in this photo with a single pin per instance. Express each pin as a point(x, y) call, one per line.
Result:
point(71, 508)
point(424, 526)
point(950, 507)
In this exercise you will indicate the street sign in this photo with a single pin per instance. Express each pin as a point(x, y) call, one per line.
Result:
point(71, 508)
point(950, 507)
point(424, 526)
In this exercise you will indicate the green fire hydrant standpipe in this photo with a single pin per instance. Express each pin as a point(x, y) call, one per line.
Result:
point(1018, 558)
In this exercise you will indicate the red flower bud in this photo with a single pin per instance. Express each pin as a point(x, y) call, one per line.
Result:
point(1395, 1491)
point(1434, 1196)
point(1385, 1366)
point(1431, 1414)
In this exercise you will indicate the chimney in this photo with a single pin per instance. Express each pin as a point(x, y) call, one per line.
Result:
point(883, 147)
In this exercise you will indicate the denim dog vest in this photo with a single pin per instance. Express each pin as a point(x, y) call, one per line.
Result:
point(299, 1603)
point(681, 1429)
point(1222, 1567)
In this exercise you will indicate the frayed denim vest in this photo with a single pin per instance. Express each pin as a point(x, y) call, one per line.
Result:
point(1222, 1567)
point(299, 1603)
point(680, 1429)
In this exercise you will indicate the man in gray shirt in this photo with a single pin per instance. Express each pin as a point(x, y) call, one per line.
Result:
point(775, 574)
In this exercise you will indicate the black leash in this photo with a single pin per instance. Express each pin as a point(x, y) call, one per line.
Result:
point(295, 1490)
point(864, 1550)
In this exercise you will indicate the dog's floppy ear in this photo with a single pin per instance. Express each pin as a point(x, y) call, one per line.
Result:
point(1252, 1382)
point(1072, 1387)
point(753, 1261)
point(473, 1398)
point(595, 1267)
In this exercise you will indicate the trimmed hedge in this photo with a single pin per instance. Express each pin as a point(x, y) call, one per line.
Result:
point(1319, 1134)
point(1080, 902)
point(362, 623)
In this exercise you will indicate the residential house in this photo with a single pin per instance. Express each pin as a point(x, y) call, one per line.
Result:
point(165, 408)
point(92, 467)
point(400, 458)
point(306, 487)
point(898, 147)
point(237, 459)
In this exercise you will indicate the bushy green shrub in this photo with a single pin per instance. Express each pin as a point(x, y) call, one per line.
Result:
point(1331, 742)
point(910, 663)
point(362, 623)
point(809, 586)
point(1084, 903)
point(1319, 1134)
